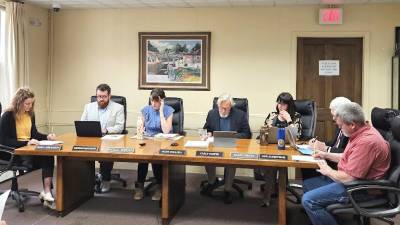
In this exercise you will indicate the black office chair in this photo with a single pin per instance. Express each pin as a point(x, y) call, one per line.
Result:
point(114, 176)
point(381, 119)
point(242, 104)
point(308, 111)
point(385, 206)
point(177, 128)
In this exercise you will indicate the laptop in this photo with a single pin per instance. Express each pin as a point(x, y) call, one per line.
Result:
point(88, 128)
point(303, 149)
point(273, 132)
point(225, 139)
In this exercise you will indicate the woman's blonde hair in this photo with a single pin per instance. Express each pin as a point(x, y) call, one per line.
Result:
point(18, 100)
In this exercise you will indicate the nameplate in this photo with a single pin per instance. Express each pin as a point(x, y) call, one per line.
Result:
point(48, 147)
point(84, 148)
point(120, 149)
point(172, 152)
point(273, 157)
point(209, 154)
point(238, 155)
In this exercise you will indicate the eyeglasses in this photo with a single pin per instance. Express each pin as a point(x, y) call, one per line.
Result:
point(102, 96)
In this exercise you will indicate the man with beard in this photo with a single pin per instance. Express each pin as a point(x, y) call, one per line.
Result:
point(225, 118)
point(111, 117)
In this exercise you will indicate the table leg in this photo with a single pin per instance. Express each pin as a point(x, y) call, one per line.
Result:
point(282, 196)
point(75, 183)
point(173, 190)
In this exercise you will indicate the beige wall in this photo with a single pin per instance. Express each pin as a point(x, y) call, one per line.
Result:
point(253, 54)
point(38, 61)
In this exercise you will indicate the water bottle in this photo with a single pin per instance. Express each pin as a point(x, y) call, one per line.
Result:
point(281, 138)
point(139, 128)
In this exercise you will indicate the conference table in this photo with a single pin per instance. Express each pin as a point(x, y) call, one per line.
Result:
point(75, 170)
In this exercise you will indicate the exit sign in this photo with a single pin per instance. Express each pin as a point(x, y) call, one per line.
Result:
point(331, 16)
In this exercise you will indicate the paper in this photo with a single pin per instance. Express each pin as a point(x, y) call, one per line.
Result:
point(196, 144)
point(162, 135)
point(112, 137)
point(305, 149)
point(176, 138)
point(3, 200)
point(304, 158)
point(45, 142)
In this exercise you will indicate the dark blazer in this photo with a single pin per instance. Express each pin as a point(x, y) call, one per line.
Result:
point(342, 143)
point(239, 122)
point(8, 131)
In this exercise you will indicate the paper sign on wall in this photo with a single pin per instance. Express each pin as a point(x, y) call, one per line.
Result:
point(329, 67)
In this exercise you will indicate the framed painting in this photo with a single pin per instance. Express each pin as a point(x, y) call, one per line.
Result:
point(174, 60)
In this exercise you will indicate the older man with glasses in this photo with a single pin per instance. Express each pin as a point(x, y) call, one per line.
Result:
point(111, 117)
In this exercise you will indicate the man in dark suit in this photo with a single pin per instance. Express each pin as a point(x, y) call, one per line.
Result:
point(225, 118)
point(337, 145)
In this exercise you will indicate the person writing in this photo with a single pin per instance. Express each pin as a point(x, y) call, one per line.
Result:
point(18, 129)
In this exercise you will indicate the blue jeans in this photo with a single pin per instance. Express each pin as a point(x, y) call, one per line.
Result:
point(319, 192)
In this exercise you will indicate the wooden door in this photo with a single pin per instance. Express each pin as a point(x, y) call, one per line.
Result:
point(322, 89)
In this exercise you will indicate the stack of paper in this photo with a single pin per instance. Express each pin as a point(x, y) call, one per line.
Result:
point(304, 158)
point(45, 142)
point(166, 136)
point(111, 137)
point(196, 144)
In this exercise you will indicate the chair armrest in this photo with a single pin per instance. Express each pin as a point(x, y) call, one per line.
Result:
point(8, 151)
point(4, 147)
point(370, 212)
point(368, 182)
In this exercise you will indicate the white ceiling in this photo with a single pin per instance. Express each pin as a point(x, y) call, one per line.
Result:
point(73, 4)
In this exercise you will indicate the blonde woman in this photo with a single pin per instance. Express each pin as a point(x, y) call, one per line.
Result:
point(18, 129)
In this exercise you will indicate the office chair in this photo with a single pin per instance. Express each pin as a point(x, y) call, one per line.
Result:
point(242, 104)
point(384, 206)
point(381, 119)
point(114, 176)
point(177, 128)
point(308, 111)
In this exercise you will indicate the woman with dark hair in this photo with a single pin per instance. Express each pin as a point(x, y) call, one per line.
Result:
point(157, 118)
point(18, 129)
point(284, 116)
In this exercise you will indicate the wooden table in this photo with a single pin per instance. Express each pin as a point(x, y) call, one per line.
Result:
point(75, 169)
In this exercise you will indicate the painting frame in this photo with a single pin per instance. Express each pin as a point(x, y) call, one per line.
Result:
point(174, 60)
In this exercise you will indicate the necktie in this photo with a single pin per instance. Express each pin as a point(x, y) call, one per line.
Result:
point(338, 139)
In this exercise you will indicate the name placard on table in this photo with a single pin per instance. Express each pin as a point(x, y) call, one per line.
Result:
point(48, 147)
point(209, 154)
point(238, 155)
point(273, 157)
point(121, 149)
point(84, 148)
point(172, 152)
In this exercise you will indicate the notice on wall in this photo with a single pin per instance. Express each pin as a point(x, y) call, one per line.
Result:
point(329, 67)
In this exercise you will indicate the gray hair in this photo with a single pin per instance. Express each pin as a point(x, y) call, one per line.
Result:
point(225, 97)
point(350, 113)
point(338, 101)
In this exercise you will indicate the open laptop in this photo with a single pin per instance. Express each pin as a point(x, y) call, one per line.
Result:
point(225, 139)
point(88, 128)
point(273, 132)
point(303, 149)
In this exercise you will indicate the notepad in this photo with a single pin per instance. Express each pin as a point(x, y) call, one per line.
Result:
point(196, 144)
point(305, 149)
point(166, 136)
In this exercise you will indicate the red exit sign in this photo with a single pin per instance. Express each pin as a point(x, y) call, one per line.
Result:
point(331, 16)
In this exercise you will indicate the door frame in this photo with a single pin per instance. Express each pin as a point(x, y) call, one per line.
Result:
point(365, 63)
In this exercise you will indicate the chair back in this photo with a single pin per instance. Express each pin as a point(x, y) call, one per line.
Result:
point(308, 111)
point(120, 100)
point(394, 171)
point(0, 109)
point(240, 103)
point(178, 116)
point(381, 119)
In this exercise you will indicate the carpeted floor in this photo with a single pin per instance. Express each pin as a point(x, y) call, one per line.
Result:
point(119, 208)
